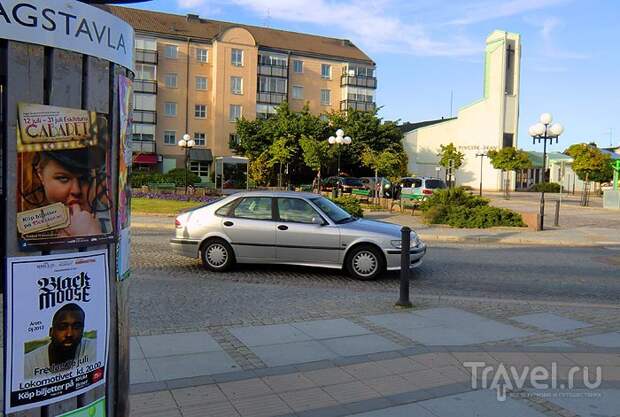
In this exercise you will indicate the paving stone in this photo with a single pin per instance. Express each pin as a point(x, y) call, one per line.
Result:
point(244, 389)
point(554, 344)
point(201, 395)
point(368, 405)
point(222, 409)
point(389, 385)
point(602, 340)
point(308, 399)
point(289, 382)
point(401, 365)
point(328, 376)
point(293, 353)
point(135, 351)
point(366, 370)
point(152, 402)
point(327, 329)
point(551, 322)
point(139, 371)
point(360, 345)
point(479, 404)
point(265, 406)
point(351, 392)
point(177, 344)
point(408, 410)
point(587, 403)
point(183, 366)
point(269, 335)
point(602, 359)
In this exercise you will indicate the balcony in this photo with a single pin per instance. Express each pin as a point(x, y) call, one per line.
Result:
point(143, 146)
point(144, 116)
point(145, 86)
point(358, 81)
point(146, 56)
point(357, 105)
point(270, 98)
point(273, 70)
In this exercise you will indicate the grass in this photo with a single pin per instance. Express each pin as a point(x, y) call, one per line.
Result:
point(154, 206)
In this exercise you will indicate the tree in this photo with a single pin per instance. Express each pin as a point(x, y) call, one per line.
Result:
point(259, 170)
point(509, 159)
point(387, 162)
point(451, 159)
point(280, 152)
point(315, 154)
point(590, 164)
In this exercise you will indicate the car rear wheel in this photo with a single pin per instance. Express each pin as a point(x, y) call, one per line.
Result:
point(217, 255)
point(365, 262)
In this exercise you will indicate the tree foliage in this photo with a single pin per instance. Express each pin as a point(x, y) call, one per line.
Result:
point(315, 152)
point(449, 153)
point(590, 163)
point(509, 159)
point(259, 170)
point(386, 163)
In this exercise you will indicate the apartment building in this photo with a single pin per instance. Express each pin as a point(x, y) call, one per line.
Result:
point(197, 76)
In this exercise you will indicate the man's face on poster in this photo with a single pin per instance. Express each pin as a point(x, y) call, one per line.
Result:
point(67, 330)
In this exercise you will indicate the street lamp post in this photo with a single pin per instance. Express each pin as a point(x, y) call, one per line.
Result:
point(481, 156)
point(186, 143)
point(338, 140)
point(544, 131)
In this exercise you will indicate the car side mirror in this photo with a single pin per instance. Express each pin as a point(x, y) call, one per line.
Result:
point(319, 221)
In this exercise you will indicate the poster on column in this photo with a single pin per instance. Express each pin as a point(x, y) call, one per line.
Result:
point(63, 161)
point(56, 327)
point(94, 409)
point(124, 171)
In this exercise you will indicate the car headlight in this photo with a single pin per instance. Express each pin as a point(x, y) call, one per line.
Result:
point(396, 243)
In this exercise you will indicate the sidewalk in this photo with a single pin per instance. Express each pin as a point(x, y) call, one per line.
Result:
point(403, 363)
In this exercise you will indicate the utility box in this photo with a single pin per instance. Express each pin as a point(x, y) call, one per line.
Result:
point(611, 199)
point(65, 118)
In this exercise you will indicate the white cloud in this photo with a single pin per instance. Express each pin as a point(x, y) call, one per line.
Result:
point(549, 50)
point(490, 10)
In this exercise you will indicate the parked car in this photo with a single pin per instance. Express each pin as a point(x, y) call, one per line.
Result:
point(386, 186)
point(344, 184)
point(290, 228)
point(424, 186)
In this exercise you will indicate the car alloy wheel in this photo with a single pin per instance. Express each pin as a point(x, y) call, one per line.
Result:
point(365, 262)
point(216, 255)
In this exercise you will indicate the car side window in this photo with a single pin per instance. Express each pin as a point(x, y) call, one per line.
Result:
point(225, 210)
point(297, 210)
point(255, 208)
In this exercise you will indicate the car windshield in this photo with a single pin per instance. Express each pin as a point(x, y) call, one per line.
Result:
point(332, 210)
point(352, 181)
point(434, 184)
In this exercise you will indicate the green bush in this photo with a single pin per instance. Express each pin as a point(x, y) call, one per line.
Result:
point(548, 187)
point(176, 176)
point(350, 204)
point(457, 208)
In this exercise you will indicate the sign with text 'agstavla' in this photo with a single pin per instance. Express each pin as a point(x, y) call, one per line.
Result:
point(68, 24)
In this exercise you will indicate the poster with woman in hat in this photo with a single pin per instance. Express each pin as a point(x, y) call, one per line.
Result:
point(63, 185)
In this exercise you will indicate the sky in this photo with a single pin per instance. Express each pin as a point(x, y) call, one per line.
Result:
point(428, 51)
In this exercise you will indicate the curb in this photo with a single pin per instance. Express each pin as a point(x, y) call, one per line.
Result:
point(512, 241)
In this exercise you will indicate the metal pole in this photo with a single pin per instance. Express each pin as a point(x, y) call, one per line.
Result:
point(542, 194)
point(557, 213)
point(186, 157)
point(481, 155)
point(403, 300)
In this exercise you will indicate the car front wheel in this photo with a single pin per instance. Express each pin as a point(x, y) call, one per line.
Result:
point(217, 255)
point(365, 262)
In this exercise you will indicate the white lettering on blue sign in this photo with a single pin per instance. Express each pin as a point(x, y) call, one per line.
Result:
point(68, 24)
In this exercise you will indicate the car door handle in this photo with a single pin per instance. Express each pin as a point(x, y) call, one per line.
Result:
point(228, 223)
point(282, 227)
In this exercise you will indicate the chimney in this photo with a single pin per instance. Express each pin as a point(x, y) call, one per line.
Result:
point(193, 17)
point(346, 42)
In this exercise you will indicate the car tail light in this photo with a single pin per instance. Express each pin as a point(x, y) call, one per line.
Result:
point(427, 192)
point(177, 223)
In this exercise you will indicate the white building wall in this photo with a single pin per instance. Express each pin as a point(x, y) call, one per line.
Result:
point(479, 126)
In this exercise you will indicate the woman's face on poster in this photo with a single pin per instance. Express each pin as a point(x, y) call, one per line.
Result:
point(62, 185)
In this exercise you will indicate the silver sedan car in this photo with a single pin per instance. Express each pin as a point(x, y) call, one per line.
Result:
point(290, 228)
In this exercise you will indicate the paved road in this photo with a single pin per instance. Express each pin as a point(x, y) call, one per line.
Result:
point(164, 282)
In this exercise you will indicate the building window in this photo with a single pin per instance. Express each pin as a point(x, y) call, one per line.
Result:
point(236, 85)
point(234, 112)
point(234, 139)
point(298, 92)
point(200, 138)
point(326, 71)
point(201, 83)
point(170, 137)
point(171, 51)
point(324, 118)
point(202, 55)
point(236, 57)
point(171, 80)
point(201, 168)
point(326, 97)
point(200, 111)
point(170, 109)
point(272, 84)
point(298, 66)
point(145, 72)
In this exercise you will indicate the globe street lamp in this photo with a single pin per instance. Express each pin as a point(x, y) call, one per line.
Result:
point(338, 140)
point(186, 143)
point(544, 131)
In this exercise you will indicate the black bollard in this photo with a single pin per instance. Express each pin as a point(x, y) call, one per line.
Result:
point(557, 213)
point(403, 300)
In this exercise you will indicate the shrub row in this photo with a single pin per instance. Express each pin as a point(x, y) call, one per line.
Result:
point(350, 204)
point(548, 187)
point(176, 176)
point(457, 208)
